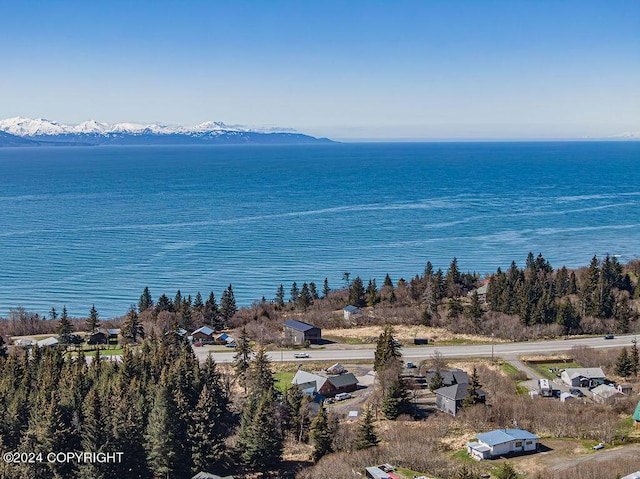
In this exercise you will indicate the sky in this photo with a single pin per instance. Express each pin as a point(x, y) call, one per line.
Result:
point(372, 70)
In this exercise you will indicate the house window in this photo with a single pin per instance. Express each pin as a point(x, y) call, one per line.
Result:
point(518, 443)
point(529, 443)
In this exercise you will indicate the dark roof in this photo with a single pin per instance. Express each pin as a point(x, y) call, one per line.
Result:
point(449, 376)
point(457, 391)
point(342, 380)
point(298, 325)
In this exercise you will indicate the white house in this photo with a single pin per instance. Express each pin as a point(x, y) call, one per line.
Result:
point(502, 442)
point(351, 312)
point(582, 377)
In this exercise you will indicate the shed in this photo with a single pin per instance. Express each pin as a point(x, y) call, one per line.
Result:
point(203, 335)
point(297, 332)
point(351, 312)
point(564, 397)
point(449, 399)
point(208, 475)
point(605, 394)
point(502, 442)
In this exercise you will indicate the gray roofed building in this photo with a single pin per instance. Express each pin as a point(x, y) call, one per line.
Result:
point(605, 394)
point(577, 377)
point(449, 376)
point(350, 311)
point(449, 399)
point(208, 475)
point(297, 332)
point(47, 342)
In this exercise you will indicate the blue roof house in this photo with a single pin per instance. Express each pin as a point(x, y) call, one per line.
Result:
point(502, 442)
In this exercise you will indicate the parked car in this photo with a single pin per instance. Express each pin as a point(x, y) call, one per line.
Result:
point(343, 396)
point(410, 365)
point(576, 392)
point(598, 446)
point(609, 336)
point(301, 355)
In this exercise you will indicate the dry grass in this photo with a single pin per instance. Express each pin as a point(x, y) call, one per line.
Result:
point(404, 334)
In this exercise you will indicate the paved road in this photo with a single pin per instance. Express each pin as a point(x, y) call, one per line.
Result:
point(503, 350)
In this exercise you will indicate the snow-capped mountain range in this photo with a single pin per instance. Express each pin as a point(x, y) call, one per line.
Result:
point(93, 133)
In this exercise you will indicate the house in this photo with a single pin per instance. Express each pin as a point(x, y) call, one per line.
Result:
point(326, 386)
point(98, 336)
point(47, 343)
point(636, 417)
point(502, 442)
point(297, 332)
point(378, 473)
point(203, 335)
point(225, 339)
point(582, 377)
point(449, 376)
point(633, 475)
point(566, 397)
point(449, 399)
point(351, 312)
point(482, 292)
point(605, 394)
point(207, 475)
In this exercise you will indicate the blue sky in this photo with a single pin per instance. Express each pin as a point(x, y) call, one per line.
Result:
point(344, 69)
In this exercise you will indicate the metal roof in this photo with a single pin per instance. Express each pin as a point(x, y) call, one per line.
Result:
point(204, 330)
point(343, 380)
point(298, 325)
point(636, 415)
point(350, 308)
point(591, 373)
point(304, 378)
point(457, 391)
point(605, 391)
point(502, 436)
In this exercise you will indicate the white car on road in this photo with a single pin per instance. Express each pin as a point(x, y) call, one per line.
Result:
point(301, 355)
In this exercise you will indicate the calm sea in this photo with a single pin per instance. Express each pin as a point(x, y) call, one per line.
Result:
point(83, 226)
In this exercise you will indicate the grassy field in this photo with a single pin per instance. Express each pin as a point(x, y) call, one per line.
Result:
point(543, 368)
point(104, 351)
point(283, 380)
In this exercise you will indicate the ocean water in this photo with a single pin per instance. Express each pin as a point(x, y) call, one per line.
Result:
point(82, 226)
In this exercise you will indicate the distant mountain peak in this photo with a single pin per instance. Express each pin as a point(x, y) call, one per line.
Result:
point(92, 132)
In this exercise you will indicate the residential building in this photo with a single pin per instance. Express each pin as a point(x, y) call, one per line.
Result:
point(449, 376)
point(98, 336)
point(47, 343)
point(208, 475)
point(326, 386)
point(203, 335)
point(297, 332)
point(450, 399)
point(351, 312)
point(502, 442)
point(636, 417)
point(583, 377)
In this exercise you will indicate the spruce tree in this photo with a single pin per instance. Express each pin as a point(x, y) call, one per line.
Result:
point(396, 398)
point(437, 381)
point(3, 348)
point(357, 292)
point(242, 358)
point(321, 434)
point(304, 298)
point(198, 304)
point(371, 293)
point(325, 288)
point(366, 436)
point(132, 328)
point(507, 472)
point(228, 306)
point(264, 447)
point(279, 300)
point(387, 349)
point(205, 432)
point(260, 374)
point(146, 301)
point(53, 314)
point(64, 329)
point(387, 281)
point(94, 435)
point(93, 322)
point(473, 395)
point(313, 291)
point(294, 293)
point(160, 441)
point(624, 364)
point(212, 315)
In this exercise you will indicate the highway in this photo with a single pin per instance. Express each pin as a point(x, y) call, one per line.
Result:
point(346, 353)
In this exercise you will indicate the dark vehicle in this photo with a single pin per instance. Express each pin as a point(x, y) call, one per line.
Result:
point(609, 336)
point(576, 392)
